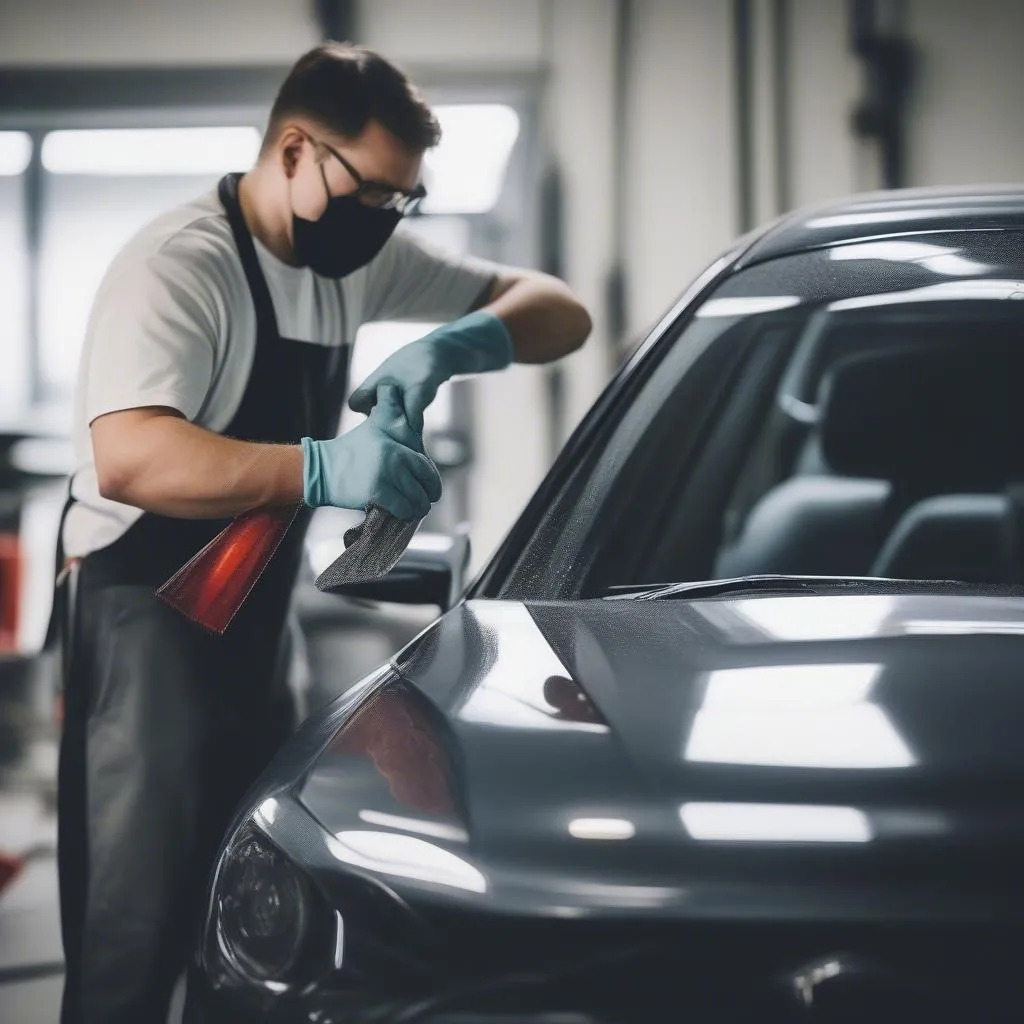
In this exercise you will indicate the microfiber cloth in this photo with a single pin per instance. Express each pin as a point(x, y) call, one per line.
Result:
point(372, 549)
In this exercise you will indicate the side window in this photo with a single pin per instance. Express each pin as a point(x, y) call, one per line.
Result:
point(676, 533)
point(576, 547)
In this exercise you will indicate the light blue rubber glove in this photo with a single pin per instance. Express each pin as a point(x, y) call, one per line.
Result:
point(474, 344)
point(380, 462)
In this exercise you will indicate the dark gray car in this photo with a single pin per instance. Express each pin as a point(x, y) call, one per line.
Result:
point(730, 726)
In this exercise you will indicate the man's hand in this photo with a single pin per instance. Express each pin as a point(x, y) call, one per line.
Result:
point(529, 317)
point(154, 459)
point(474, 344)
point(371, 465)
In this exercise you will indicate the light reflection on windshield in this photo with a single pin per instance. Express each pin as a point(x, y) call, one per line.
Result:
point(945, 291)
point(940, 259)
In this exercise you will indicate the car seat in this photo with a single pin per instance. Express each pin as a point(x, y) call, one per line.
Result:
point(895, 429)
point(974, 538)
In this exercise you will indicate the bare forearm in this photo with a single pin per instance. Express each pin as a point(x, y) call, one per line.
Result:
point(543, 316)
point(166, 465)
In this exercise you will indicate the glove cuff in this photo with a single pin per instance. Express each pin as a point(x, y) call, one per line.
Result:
point(314, 485)
point(482, 342)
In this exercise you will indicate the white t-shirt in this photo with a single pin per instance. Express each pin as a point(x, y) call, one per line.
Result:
point(173, 324)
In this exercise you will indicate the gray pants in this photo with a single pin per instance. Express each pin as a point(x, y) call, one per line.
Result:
point(166, 727)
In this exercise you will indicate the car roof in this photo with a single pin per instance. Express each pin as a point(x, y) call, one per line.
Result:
point(887, 214)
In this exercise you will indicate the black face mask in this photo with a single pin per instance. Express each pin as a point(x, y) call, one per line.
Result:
point(346, 237)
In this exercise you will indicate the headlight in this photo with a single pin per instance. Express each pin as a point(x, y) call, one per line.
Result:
point(267, 913)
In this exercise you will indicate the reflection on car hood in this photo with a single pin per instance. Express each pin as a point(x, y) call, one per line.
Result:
point(733, 755)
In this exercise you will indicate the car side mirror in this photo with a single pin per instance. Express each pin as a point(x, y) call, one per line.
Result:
point(432, 570)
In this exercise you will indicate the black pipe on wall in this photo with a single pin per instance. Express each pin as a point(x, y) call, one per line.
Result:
point(888, 59)
point(615, 285)
point(743, 65)
point(552, 243)
point(781, 56)
point(33, 193)
point(337, 19)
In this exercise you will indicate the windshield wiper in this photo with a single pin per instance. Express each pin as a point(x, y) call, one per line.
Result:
point(760, 585)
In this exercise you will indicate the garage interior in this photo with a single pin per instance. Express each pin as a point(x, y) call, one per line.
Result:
point(618, 144)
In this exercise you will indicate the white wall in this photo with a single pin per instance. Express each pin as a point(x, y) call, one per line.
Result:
point(680, 148)
point(824, 84)
point(581, 133)
point(469, 33)
point(966, 121)
point(112, 32)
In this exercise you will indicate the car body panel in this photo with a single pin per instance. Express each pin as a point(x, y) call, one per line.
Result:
point(789, 756)
point(886, 214)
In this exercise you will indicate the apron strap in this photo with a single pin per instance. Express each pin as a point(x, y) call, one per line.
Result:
point(59, 608)
point(227, 190)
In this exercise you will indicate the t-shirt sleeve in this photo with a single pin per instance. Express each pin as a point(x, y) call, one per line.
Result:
point(412, 279)
point(152, 338)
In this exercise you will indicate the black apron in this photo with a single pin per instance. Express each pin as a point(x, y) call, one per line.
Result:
point(165, 725)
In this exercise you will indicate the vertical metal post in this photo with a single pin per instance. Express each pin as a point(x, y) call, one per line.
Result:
point(337, 19)
point(33, 203)
point(552, 234)
point(888, 60)
point(744, 113)
point(781, 102)
point(615, 286)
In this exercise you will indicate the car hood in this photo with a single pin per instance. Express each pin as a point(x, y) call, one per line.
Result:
point(805, 755)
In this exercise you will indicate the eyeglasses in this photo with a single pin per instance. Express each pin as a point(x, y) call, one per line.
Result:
point(377, 194)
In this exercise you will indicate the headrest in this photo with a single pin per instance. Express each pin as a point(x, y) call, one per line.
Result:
point(951, 537)
point(936, 417)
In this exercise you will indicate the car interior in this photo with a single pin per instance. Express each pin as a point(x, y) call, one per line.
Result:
point(897, 453)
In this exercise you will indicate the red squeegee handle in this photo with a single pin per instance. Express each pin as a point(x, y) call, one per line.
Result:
point(211, 587)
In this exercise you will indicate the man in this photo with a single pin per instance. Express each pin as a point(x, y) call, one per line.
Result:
point(211, 383)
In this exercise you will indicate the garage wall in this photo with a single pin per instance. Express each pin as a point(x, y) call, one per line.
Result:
point(455, 32)
point(966, 119)
point(680, 141)
point(824, 85)
point(112, 32)
point(680, 146)
point(567, 45)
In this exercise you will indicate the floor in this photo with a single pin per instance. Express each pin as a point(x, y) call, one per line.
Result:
point(30, 945)
point(31, 976)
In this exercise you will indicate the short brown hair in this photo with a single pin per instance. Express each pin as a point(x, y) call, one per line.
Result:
point(343, 87)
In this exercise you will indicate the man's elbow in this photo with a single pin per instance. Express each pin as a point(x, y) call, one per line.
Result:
point(576, 325)
point(113, 478)
point(582, 325)
point(117, 447)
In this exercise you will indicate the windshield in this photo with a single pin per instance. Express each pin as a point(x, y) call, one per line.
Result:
point(849, 412)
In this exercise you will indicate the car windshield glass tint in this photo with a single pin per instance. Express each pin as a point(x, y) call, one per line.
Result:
point(850, 412)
